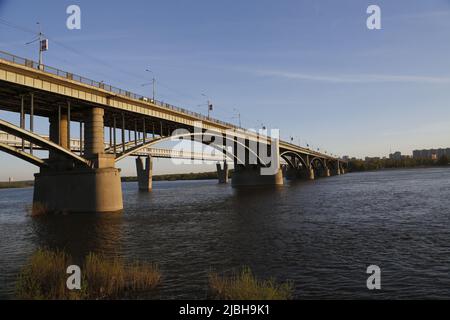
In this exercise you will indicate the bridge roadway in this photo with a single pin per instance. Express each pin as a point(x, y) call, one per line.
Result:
point(91, 179)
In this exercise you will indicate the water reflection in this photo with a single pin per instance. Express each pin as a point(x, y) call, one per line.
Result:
point(80, 234)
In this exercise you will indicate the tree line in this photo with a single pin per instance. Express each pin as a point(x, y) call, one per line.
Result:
point(357, 165)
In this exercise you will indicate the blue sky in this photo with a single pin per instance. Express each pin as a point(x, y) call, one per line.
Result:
point(310, 68)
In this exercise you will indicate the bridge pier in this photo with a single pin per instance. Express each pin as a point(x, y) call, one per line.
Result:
point(296, 173)
point(312, 174)
point(64, 187)
point(78, 191)
point(145, 175)
point(326, 172)
point(249, 175)
point(222, 173)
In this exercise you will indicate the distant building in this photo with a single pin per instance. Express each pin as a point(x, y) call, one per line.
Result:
point(433, 154)
point(396, 156)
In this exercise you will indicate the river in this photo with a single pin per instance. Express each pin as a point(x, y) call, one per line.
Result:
point(322, 234)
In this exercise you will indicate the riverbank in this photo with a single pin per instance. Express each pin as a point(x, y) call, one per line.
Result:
point(164, 177)
point(178, 177)
point(16, 184)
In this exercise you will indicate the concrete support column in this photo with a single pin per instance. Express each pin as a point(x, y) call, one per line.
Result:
point(73, 189)
point(58, 133)
point(145, 174)
point(257, 175)
point(94, 133)
point(326, 172)
point(312, 175)
point(64, 131)
point(222, 173)
point(338, 171)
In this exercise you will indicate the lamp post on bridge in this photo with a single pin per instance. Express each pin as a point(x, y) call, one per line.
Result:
point(153, 83)
point(238, 116)
point(209, 105)
point(43, 45)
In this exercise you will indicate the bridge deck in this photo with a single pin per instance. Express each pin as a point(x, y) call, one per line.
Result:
point(53, 87)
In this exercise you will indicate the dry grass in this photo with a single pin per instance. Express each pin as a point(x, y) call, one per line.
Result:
point(243, 285)
point(44, 278)
point(38, 209)
point(111, 278)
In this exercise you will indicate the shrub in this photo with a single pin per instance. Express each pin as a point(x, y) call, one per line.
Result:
point(243, 285)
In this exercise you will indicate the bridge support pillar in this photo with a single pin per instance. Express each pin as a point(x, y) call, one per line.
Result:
point(326, 172)
point(312, 174)
point(255, 175)
point(59, 127)
point(250, 176)
point(78, 191)
point(72, 189)
point(222, 173)
point(145, 175)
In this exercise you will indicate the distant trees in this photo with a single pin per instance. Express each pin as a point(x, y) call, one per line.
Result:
point(377, 164)
point(443, 160)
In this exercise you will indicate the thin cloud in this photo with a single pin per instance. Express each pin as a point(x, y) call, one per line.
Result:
point(356, 78)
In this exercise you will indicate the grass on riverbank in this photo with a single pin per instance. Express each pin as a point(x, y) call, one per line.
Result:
point(243, 285)
point(44, 278)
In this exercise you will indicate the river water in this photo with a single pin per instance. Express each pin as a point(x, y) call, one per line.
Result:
point(322, 235)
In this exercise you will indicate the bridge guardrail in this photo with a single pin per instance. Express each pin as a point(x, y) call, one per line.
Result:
point(101, 85)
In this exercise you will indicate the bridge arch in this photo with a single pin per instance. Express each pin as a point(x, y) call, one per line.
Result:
point(285, 155)
point(39, 141)
point(230, 155)
point(316, 160)
point(23, 155)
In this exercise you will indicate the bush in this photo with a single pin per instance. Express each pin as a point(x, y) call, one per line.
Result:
point(44, 277)
point(243, 285)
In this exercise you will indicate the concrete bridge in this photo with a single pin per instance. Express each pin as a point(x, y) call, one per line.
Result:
point(86, 179)
point(17, 147)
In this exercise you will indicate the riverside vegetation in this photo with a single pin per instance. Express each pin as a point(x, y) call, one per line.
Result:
point(243, 285)
point(164, 177)
point(379, 164)
point(44, 277)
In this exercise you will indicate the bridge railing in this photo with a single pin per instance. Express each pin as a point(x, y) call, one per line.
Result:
point(101, 85)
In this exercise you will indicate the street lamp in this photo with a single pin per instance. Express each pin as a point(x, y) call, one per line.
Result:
point(43, 45)
point(209, 104)
point(239, 116)
point(153, 83)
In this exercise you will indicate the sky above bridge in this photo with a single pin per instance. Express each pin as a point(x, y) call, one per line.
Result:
point(309, 68)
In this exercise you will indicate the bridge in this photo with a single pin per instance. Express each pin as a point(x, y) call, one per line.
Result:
point(16, 146)
point(86, 179)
